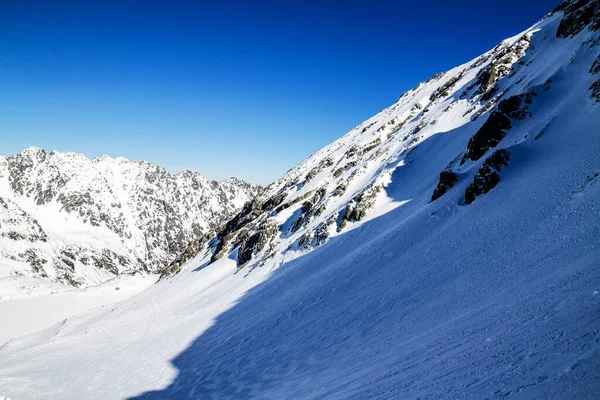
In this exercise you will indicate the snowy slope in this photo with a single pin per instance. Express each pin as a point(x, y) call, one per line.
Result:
point(445, 248)
point(82, 221)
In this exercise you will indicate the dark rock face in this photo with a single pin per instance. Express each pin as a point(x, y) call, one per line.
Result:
point(340, 189)
point(578, 15)
point(493, 130)
point(488, 175)
point(357, 208)
point(486, 78)
point(501, 65)
point(256, 243)
point(447, 180)
point(341, 170)
point(274, 201)
point(107, 262)
point(305, 241)
point(312, 239)
point(322, 232)
point(443, 90)
point(311, 208)
point(489, 135)
point(595, 89)
point(595, 68)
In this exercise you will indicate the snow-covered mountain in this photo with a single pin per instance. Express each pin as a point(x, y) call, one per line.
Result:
point(485, 113)
point(445, 248)
point(81, 221)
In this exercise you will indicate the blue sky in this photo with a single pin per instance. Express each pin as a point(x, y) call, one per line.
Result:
point(226, 88)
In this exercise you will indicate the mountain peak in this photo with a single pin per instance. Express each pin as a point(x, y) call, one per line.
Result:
point(33, 152)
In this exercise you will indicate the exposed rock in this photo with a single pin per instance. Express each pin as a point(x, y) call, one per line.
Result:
point(595, 68)
point(17, 225)
point(274, 201)
point(419, 127)
point(195, 247)
point(311, 208)
point(256, 243)
point(578, 15)
point(397, 127)
point(37, 263)
point(341, 170)
point(357, 208)
point(298, 199)
point(443, 90)
point(494, 129)
point(107, 262)
point(488, 175)
point(370, 146)
point(595, 88)
point(446, 181)
point(486, 78)
point(317, 170)
point(500, 67)
point(305, 241)
point(340, 189)
point(322, 232)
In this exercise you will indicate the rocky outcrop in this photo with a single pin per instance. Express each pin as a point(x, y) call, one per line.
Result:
point(256, 243)
point(443, 90)
point(494, 129)
point(311, 208)
point(446, 181)
point(357, 208)
point(595, 89)
point(578, 15)
point(488, 175)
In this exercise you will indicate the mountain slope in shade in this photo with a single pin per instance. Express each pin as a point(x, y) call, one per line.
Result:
point(445, 248)
point(82, 221)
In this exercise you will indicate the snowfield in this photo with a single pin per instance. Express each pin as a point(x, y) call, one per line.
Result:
point(366, 288)
point(29, 304)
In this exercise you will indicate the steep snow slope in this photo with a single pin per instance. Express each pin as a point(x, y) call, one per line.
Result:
point(82, 221)
point(446, 248)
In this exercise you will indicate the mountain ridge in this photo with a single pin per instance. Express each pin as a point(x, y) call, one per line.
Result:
point(493, 93)
point(134, 216)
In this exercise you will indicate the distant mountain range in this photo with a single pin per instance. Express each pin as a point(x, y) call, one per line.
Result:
point(81, 221)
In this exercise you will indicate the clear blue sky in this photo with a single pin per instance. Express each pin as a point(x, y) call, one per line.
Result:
point(226, 88)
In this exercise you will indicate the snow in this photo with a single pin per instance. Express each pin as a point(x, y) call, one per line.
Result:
point(420, 299)
point(36, 304)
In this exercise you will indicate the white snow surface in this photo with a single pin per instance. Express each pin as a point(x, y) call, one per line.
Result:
point(31, 304)
point(419, 299)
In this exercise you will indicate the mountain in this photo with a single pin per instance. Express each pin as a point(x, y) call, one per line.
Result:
point(82, 221)
point(445, 248)
point(484, 112)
